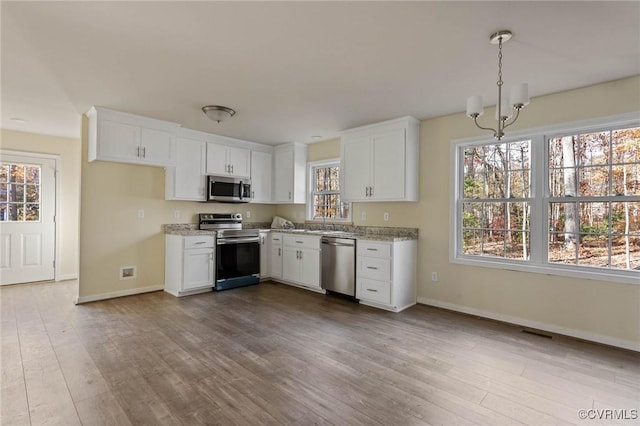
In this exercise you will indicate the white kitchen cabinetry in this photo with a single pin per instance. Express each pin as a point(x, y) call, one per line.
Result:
point(301, 261)
point(261, 176)
point(225, 160)
point(265, 245)
point(290, 173)
point(189, 264)
point(127, 138)
point(386, 274)
point(187, 181)
point(276, 255)
point(380, 162)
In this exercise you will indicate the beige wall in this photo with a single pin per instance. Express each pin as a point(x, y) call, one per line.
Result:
point(112, 236)
point(69, 152)
point(599, 308)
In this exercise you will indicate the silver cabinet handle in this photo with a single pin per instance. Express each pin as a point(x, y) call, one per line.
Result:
point(138, 152)
point(279, 252)
point(300, 254)
point(371, 267)
point(366, 191)
point(144, 152)
point(299, 242)
point(253, 194)
point(232, 168)
point(289, 194)
point(372, 290)
point(372, 249)
point(201, 242)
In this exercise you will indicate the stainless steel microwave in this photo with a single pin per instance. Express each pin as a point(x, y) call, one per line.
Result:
point(228, 190)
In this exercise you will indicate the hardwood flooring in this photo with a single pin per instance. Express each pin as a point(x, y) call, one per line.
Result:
point(273, 354)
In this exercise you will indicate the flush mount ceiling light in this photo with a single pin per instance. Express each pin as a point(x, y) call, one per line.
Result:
point(518, 99)
point(217, 112)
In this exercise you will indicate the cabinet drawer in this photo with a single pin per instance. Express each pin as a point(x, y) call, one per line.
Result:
point(375, 291)
point(374, 268)
point(276, 239)
point(374, 249)
point(198, 241)
point(302, 241)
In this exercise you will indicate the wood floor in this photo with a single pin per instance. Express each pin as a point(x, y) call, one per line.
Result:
point(273, 354)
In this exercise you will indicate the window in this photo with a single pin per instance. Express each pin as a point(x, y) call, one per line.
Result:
point(19, 192)
point(563, 201)
point(325, 202)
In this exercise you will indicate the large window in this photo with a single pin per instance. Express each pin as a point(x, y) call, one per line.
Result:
point(325, 202)
point(561, 201)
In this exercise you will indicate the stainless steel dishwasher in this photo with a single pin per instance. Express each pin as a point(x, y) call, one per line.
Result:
point(339, 265)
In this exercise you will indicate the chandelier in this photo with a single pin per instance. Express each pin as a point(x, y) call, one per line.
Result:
point(518, 99)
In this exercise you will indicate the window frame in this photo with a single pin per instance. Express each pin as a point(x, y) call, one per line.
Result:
point(540, 198)
point(311, 166)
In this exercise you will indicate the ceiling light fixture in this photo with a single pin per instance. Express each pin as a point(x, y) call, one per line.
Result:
point(518, 99)
point(217, 112)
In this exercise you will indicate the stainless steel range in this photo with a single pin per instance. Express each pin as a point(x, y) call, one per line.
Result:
point(237, 250)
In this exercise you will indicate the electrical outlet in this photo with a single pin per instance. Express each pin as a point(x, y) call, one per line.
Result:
point(128, 272)
point(434, 276)
point(248, 215)
point(140, 214)
point(363, 216)
point(176, 214)
point(385, 216)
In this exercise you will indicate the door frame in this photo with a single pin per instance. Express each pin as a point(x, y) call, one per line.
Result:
point(57, 177)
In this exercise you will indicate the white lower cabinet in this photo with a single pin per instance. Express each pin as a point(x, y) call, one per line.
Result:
point(300, 261)
point(265, 243)
point(276, 255)
point(189, 264)
point(386, 274)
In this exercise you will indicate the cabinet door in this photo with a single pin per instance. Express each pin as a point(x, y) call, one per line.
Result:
point(276, 262)
point(217, 159)
point(158, 147)
point(261, 176)
point(198, 268)
point(189, 174)
point(388, 171)
point(290, 264)
point(284, 175)
point(117, 141)
point(264, 254)
point(240, 161)
point(356, 166)
point(310, 265)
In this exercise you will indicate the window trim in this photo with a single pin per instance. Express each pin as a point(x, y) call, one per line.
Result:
point(309, 205)
point(539, 226)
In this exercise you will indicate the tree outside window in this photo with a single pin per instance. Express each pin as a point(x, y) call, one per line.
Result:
point(325, 201)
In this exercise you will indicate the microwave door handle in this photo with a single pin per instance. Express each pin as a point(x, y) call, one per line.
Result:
point(241, 190)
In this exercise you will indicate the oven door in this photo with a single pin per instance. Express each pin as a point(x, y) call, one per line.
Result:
point(237, 262)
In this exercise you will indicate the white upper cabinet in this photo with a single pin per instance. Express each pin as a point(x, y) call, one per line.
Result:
point(290, 173)
point(380, 162)
point(187, 181)
point(261, 176)
point(225, 160)
point(128, 138)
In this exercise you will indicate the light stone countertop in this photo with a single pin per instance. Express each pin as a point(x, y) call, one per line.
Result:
point(370, 233)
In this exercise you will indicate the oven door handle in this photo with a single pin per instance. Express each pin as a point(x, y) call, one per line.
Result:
point(223, 241)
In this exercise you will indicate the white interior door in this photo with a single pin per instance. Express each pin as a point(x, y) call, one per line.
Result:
point(27, 219)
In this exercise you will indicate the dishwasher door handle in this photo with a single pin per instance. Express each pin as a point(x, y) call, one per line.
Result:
point(337, 244)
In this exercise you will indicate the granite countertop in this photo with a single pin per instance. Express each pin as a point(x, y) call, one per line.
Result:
point(372, 233)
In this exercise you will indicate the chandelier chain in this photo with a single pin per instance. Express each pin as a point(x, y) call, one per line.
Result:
point(500, 62)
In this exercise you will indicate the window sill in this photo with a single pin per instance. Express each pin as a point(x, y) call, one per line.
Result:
point(624, 277)
point(336, 222)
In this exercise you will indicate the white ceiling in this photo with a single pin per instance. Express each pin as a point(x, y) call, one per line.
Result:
point(293, 70)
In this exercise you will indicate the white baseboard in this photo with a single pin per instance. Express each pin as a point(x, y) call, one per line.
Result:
point(67, 277)
point(580, 334)
point(113, 294)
